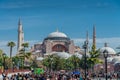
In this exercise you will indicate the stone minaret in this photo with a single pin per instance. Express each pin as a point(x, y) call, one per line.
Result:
point(20, 36)
point(87, 40)
point(94, 36)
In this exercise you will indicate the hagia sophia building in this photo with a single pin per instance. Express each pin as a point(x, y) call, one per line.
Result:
point(56, 42)
point(59, 43)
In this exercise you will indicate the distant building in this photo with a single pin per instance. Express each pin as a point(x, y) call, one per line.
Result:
point(55, 42)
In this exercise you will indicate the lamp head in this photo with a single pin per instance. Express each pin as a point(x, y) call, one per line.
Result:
point(105, 53)
point(85, 45)
point(4, 54)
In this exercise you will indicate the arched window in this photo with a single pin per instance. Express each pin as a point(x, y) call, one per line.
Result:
point(59, 48)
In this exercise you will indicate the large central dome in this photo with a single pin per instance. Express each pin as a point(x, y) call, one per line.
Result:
point(57, 34)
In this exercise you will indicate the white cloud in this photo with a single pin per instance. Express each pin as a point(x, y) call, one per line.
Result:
point(112, 42)
point(100, 40)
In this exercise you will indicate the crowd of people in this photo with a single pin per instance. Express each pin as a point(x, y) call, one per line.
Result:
point(52, 76)
point(45, 76)
point(23, 76)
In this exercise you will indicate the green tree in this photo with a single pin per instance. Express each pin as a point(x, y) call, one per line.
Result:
point(47, 62)
point(15, 59)
point(58, 63)
point(1, 52)
point(94, 57)
point(1, 57)
point(68, 64)
point(75, 61)
point(11, 45)
point(25, 45)
point(34, 63)
point(54, 62)
point(23, 54)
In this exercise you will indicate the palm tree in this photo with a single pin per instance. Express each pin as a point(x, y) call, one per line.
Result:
point(11, 45)
point(53, 62)
point(1, 52)
point(94, 57)
point(25, 55)
point(75, 61)
point(1, 58)
point(25, 45)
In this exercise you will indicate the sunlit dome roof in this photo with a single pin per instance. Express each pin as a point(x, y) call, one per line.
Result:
point(109, 59)
point(116, 59)
point(78, 55)
point(110, 50)
point(57, 34)
point(37, 51)
point(39, 58)
point(62, 54)
point(117, 63)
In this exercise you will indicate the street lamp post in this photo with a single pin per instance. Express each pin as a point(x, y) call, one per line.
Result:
point(4, 61)
point(13, 66)
point(85, 47)
point(51, 64)
point(105, 54)
point(75, 63)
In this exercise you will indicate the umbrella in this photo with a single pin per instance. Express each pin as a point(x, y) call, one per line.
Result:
point(76, 72)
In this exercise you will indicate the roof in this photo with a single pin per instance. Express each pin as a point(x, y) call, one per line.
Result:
point(116, 59)
point(61, 54)
point(110, 50)
point(39, 58)
point(57, 34)
point(78, 55)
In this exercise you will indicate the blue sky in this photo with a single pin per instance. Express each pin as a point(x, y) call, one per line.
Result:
point(73, 17)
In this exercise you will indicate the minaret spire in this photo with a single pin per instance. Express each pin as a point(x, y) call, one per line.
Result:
point(87, 37)
point(94, 36)
point(20, 36)
point(57, 30)
point(87, 41)
point(19, 22)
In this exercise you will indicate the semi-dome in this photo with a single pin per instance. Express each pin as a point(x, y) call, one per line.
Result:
point(110, 50)
point(116, 59)
point(110, 59)
point(39, 58)
point(78, 55)
point(62, 54)
point(57, 34)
